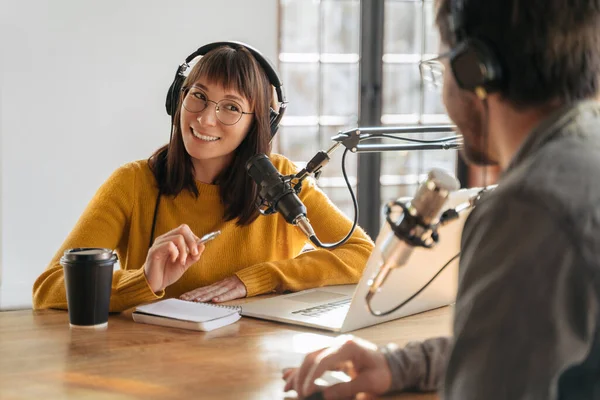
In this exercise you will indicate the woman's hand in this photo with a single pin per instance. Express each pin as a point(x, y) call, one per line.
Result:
point(170, 256)
point(359, 359)
point(225, 290)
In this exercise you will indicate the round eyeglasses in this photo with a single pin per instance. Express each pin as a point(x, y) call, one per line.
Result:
point(432, 72)
point(229, 112)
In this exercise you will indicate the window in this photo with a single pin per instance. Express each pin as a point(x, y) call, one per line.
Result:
point(410, 37)
point(319, 65)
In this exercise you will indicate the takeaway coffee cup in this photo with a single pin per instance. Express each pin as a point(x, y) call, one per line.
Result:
point(88, 281)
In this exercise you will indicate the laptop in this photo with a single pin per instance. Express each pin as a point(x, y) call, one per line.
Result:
point(343, 308)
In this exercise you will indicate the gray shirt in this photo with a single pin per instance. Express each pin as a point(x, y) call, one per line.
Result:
point(527, 314)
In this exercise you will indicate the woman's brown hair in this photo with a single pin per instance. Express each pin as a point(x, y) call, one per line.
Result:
point(234, 68)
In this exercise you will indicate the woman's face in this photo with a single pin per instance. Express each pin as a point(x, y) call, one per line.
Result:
point(209, 135)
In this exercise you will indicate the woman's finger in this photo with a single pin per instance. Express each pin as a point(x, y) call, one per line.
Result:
point(190, 238)
point(179, 241)
point(231, 294)
point(202, 291)
point(220, 291)
point(166, 250)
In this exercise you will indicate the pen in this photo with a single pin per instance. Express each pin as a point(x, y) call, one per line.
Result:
point(209, 236)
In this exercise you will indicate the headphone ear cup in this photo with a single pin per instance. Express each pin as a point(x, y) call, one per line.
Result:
point(474, 65)
point(273, 121)
point(174, 92)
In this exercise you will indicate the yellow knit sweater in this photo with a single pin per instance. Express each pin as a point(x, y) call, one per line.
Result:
point(265, 255)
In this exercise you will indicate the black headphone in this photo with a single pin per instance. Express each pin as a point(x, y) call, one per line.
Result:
point(176, 87)
point(267, 66)
point(474, 64)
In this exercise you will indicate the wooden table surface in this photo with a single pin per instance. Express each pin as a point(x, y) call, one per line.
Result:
point(41, 357)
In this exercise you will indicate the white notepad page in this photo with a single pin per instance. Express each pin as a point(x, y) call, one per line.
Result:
point(187, 310)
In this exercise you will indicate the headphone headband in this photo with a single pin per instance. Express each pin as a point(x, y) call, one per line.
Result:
point(265, 63)
point(473, 62)
point(457, 20)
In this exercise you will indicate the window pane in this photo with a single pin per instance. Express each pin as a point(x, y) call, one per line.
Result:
point(341, 26)
point(299, 26)
point(432, 37)
point(444, 159)
point(418, 161)
point(334, 167)
point(433, 102)
point(401, 89)
point(390, 193)
point(340, 89)
point(299, 143)
point(401, 162)
point(403, 28)
point(301, 82)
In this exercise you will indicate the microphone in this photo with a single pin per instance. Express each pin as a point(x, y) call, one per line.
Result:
point(415, 226)
point(277, 193)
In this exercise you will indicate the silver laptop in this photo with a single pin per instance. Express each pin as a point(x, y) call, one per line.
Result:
point(343, 308)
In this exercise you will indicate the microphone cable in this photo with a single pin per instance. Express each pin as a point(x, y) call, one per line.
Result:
point(353, 196)
point(314, 238)
point(405, 302)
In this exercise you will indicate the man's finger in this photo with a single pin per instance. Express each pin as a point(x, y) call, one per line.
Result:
point(305, 368)
point(329, 360)
point(347, 390)
point(287, 372)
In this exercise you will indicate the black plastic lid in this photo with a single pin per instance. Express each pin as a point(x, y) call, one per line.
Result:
point(88, 254)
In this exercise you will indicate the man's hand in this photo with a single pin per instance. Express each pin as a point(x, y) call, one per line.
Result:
point(359, 359)
point(170, 256)
point(225, 290)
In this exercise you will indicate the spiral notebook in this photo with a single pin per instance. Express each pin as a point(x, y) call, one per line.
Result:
point(183, 314)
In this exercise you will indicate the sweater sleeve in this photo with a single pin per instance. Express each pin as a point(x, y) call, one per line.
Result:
point(419, 365)
point(104, 223)
point(320, 267)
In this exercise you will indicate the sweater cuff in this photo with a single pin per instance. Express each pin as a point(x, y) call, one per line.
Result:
point(405, 374)
point(135, 287)
point(257, 279)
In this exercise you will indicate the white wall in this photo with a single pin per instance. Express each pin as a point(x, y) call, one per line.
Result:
point(82, 87)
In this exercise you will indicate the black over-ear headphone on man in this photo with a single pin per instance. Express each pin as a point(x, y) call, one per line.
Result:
point(175, 88)
point(474, 64)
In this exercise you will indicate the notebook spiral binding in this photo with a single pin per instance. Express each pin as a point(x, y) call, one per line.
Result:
point(233, 308)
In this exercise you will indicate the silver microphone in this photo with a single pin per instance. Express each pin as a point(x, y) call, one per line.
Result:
point(414, 226)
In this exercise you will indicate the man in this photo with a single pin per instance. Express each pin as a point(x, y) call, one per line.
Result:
point(521, 84)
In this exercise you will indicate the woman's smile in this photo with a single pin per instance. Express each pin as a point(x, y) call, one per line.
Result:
point(204, 137)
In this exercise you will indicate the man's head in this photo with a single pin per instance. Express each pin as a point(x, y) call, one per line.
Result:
point(549, 52)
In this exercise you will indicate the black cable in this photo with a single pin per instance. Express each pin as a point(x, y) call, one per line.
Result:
point(314, 239)
point(154, 218)
point(382, 314)
point(442, 140)
point(485, 140)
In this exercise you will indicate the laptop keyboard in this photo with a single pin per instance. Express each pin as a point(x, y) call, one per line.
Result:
point(323, 308)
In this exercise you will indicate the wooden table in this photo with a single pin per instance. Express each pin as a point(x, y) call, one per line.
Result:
point(41, 357)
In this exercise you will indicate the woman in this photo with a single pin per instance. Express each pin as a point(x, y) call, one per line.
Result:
point(221, 120)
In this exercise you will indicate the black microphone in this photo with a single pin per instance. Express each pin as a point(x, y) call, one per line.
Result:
point(277, 193)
